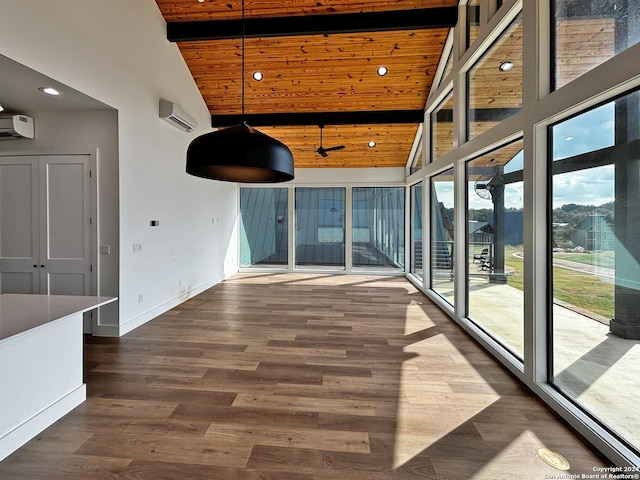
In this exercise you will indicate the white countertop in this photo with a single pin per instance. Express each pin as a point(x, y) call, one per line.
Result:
point(19, 313)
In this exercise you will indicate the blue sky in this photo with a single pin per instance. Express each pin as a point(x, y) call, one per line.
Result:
point(584, 133)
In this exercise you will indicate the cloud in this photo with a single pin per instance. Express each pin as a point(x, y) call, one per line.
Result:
point(593, 186)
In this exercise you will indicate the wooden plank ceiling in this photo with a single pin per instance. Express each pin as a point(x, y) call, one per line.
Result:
point(319, 61)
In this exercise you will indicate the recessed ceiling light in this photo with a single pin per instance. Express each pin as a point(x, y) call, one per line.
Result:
point(505, 66)
point(568, 139)
point(50, 91)
point(1, 108)
point(257, 76)
point(372, 144)
point(200, 1)
point(382, 70)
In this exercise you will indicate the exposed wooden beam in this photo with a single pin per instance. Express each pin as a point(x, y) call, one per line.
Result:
point(320, 118)
point(416, 19)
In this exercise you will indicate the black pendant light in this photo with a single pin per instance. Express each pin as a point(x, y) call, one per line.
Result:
point(240, 153)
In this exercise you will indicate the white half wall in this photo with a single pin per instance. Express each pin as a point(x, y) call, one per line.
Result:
point(117, 53)
point(349, 176)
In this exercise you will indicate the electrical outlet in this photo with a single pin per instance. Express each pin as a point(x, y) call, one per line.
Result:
point(105, 249)
point(137, 247)
point(140, 298)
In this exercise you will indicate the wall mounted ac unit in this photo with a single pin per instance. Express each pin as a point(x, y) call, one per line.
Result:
point(176, 116)
point(15, 126)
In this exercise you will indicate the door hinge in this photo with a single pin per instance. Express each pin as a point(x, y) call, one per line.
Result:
point(90, 220)
point(91, 268)
point(90, 173)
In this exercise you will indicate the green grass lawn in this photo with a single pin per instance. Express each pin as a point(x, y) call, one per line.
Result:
point(585, 291)
point(599, 259)
point(582, 290)
point(516, 280)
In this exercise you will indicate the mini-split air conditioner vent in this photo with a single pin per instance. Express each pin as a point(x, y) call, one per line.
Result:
point(176, 116)
point(16, 126)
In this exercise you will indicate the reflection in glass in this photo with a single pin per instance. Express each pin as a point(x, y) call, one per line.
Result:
point(495, 92)
point(378, 228)
point(495, 230)
point(447, 67)
point(416, 229)
point(473, 21)
point(588, 33)
point(418, 156)
point(442, 274)
point(264, 225)
point(320, 234)
point(589, 131)
point(595, 263)
point(442, 128)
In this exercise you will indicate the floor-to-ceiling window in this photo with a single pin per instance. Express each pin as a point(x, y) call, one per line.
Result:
point(473, 20)
point(320, 225)
point(495, 82)
point(442, 210)
point(447, 66)
point(587, 33)
point(377, 237)
point(264, 226)
point(336, 228)
point(543, 150)
point(595, 238)
point(417, 161)
point(416, 230)
point(495, 281)
point(442, 128)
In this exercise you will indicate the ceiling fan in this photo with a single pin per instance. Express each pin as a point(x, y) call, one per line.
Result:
point(323, 151)
point(483, 188)
point(485, 185)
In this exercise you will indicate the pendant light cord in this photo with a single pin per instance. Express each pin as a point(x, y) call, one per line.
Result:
point(243, 33)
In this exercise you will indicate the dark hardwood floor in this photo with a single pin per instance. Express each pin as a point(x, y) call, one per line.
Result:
point(299, 376)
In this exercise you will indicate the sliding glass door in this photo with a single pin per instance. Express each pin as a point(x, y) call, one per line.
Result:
point(264, 227)
point(377, 231)
point(320, 227)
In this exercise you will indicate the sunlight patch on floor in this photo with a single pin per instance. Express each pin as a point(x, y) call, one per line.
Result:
point(518, 458)
point(436, 399)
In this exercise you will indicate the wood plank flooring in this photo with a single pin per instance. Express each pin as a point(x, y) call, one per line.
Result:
point(299, 376)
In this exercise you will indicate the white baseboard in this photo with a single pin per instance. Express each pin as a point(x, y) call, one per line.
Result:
point(143, 318)
point(20, 435)
point(106, 331)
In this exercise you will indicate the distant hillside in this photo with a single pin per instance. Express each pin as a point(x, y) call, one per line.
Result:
point(572, 213)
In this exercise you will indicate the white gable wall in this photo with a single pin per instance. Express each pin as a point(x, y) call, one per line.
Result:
point(117, 53)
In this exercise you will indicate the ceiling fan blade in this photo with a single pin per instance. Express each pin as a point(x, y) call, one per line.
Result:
point(322, 152)
point(337, 147)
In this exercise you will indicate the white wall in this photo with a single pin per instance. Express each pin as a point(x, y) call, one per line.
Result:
point(116, 52)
